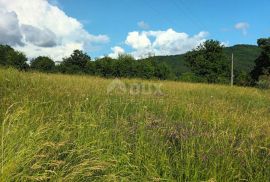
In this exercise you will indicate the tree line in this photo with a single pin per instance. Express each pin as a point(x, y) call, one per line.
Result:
point(80, 63)
point(207, 63)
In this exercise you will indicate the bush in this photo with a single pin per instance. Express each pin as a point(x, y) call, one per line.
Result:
point(208, 61)
point(162, 71)
point(264, 82)
point(76, 63)
point(17, 60)
point(190, 77)
point(43, 63)
point(10, 57)
point(242, 78)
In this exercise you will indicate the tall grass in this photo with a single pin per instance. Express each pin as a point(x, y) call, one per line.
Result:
point(67, 128)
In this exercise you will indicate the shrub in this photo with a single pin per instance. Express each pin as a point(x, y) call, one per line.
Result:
point(43, 63)
point(264, 82)
point(190, 77)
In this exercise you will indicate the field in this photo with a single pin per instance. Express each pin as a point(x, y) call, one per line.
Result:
point(68, 128)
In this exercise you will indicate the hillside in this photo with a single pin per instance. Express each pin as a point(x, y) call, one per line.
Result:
point(69, 128)
point(245, 56)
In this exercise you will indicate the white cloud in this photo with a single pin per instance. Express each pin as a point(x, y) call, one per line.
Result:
point(55, 3)
point(44, 29)
point(225, 44)
point(38, 37)
point(57, 53)
point(143, 25)
point(116, 51)
point(138, 40)
point(242, 26)
point(9, 29)
point(167, 42)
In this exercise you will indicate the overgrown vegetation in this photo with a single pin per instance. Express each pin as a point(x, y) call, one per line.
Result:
point(262, 67)
point(43, 64)
point(208, 63)
point(10, 57)
point(244, 55)
point(57, 127)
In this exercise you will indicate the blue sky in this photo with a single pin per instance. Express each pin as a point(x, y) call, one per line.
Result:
point(116, 18)
point(138, 27)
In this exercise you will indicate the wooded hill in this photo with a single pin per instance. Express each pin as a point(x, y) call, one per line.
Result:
point(244, 56)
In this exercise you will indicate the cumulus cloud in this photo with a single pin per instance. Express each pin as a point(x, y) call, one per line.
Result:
point(242, 26)
point(40, 28)
point(167, 42)
point(138, 40)
point(116, 51)
point(57, 52)
point(39, 37)
point(9, 29)
point(143, 25)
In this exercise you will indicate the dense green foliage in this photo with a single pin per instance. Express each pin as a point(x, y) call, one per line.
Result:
point(208, 62)
point(80, 63)
point(211, 70)
point(76, 63)
point(59, 127)
point(4, 54)
point(175, 62)
point(124, 66)
point(263, 82)
point(262, 66)
point(43, 63)
point(244, 56)
point(10, 57)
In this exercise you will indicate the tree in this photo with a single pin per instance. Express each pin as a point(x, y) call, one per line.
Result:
point(10, 57)
point(162, 71)
point(262, 63)
point(209, 62)
point(5, 50)
point(105, 67)
point(90, 68)
point(76, 63)
point(17, 60)
point(125, 66)
point(189, 77)
point(242, 78)
point(145, 69)
point(43, 63)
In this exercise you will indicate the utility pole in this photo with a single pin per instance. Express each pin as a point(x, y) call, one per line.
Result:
point(232, 71)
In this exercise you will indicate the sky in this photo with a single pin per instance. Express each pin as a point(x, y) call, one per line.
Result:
point(55, 28)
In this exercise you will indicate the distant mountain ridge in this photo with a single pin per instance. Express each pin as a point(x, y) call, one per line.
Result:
point(244, 57)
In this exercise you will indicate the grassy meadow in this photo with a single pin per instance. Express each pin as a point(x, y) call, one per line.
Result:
point(68, 128)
